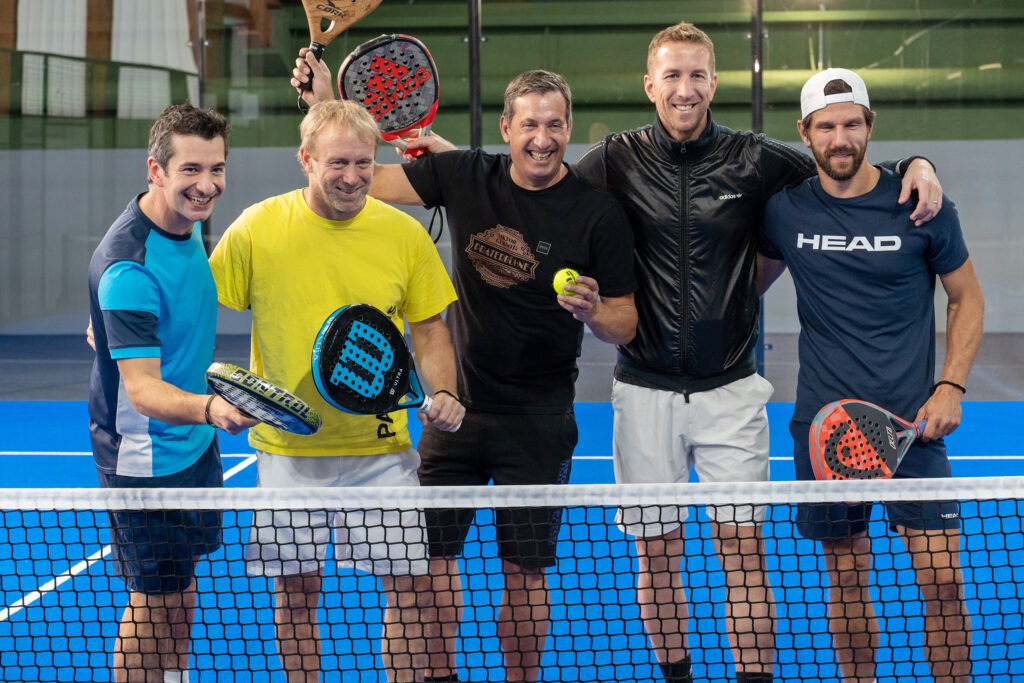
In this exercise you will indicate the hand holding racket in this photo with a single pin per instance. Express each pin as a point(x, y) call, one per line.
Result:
point(261, 400)
point(851, 439)
point(395, 79)
point(312, 78)
point(362, 365)
point(327, 20)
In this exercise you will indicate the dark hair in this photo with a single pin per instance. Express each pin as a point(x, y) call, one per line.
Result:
point(537, 81)
point(184, 119)
point(835, 87)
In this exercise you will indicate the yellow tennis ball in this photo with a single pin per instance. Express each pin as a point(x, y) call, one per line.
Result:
point(566, 276)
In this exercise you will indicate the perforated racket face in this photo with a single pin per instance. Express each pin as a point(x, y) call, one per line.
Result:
point(394, 78)
point(262, 400)
point(856, 440)
point(361, 361)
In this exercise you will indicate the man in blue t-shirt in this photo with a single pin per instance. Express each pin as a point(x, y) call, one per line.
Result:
point(865, 280)
point(153, 311)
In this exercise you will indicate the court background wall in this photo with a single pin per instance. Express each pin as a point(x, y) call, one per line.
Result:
point(80, 81)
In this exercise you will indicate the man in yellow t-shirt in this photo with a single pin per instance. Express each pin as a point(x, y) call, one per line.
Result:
point(293, 260)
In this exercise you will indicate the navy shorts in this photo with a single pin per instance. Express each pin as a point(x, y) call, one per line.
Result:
point(508, 450)
point(154, 551)
point(924, 460)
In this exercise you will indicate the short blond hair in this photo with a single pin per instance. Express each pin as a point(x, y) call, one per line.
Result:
point(345, 114)
point(683, 32)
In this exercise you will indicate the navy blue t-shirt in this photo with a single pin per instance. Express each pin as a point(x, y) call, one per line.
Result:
point(865, 284)
point(151, 295)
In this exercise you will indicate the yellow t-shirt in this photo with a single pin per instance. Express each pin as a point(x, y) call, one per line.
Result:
point(293, 269)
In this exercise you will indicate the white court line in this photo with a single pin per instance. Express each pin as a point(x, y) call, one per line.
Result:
point(89, 453)
point(575, 457)
point(56, 582)
point(785, 459)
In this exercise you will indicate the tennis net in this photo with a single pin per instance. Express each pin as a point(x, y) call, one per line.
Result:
point(62, 600)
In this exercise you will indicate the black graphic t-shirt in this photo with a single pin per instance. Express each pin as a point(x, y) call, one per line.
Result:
point(515, 347)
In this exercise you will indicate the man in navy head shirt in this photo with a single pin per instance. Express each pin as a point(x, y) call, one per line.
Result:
point(865, 281)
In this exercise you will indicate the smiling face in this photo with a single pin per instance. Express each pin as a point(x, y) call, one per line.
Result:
point(838, 137)
point(681, 84)
point(537, 133)
point(340, 169)
point(185, 190)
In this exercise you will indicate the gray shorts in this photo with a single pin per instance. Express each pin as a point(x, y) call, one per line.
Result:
point(659, 436)
point(381, 542)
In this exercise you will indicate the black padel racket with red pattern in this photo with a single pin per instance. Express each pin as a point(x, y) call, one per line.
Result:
point(395, 79)
point(851, 439)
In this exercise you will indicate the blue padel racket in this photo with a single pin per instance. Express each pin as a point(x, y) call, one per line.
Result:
point(362, 365)
point(262, 400)
point(395, 79)
point(851, 439)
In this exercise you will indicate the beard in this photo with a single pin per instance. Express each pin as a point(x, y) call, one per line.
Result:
point(824, 159)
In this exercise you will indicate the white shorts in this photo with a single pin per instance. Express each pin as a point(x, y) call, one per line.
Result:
point(381, 542)
point(659, 436)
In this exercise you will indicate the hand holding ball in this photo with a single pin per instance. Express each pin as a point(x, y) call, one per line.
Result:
point(566, 276)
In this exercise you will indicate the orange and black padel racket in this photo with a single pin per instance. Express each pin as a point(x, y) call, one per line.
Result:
point(851, 439)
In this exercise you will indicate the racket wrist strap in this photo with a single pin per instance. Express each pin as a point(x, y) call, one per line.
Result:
point(206, 412)
point(963, 389)
point(445, 391)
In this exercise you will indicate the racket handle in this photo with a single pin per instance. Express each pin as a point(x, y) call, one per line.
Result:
point(425, 408)
point(318, 51)
point(920, 427)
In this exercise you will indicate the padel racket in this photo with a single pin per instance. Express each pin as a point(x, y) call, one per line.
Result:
point(851, 439)
point(362, 365)
point(262, 400)
point(327, 19)
point(395, 79)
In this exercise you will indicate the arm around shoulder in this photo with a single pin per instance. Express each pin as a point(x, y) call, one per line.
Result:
point(390, 184)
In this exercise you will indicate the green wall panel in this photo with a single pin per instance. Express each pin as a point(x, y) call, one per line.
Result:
point(941, 69)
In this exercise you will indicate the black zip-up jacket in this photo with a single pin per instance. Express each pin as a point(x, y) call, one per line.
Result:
point(696, 210)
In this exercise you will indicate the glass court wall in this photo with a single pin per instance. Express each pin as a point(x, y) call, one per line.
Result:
point(82, 80)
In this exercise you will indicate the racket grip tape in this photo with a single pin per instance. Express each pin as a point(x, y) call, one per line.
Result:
point(425, 408)
point(318, 51)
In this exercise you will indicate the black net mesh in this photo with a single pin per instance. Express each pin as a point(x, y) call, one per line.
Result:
point(63, 599)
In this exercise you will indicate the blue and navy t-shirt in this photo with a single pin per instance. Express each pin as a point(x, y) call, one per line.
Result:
point(151, 295)
point(865, 285)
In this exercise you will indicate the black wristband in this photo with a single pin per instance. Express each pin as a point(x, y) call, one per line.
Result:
point(445, 391)
point(963, 390)
point(207, 411)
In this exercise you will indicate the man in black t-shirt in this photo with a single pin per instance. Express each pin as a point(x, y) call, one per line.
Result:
point(516, 219)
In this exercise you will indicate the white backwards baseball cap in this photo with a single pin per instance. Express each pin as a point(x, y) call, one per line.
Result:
point(813, 97)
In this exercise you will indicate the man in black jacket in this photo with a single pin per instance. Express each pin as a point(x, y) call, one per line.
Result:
point(686, 391)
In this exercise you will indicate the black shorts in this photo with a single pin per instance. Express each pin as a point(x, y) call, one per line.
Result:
point(154, 550)
point(507, 450)
point(821, 521)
